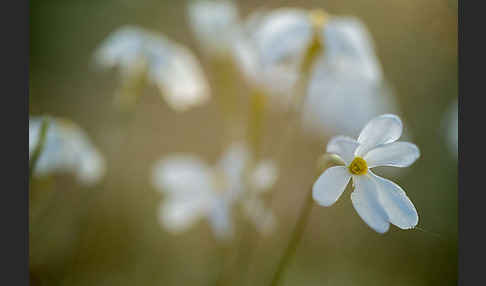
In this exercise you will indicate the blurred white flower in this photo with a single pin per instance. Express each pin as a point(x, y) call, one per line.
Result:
point(195, 190)
point(276, 79)
point(170, 66)
point(338, 103)
point(378, 201)
point(451, 126)
point(67, 149)
point(346, 84)
point(213, 23)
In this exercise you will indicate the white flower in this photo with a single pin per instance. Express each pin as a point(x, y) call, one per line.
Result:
point(378, 201)
point(338, 103)
point(213, 23)
point(286, 35)
point(171, 66)
point(195, 190)
point(67, 149)
point(346, 85)
point(275, 79)
point(451, 122)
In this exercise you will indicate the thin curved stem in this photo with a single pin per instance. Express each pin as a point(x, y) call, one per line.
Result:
point(295, 239)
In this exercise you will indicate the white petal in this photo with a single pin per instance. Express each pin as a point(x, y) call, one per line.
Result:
point(182, 174)
point(212, 22)
point(284, 35)
point(396, 154)
point(398, 206)
point(34, 132)
point(350, 49)
point(451, 126)
point(366, 202)
point(383, 129)
point(327, 108)
point(181, 79)
point(330, 185)
point(344, 147)
point(234, 161)
point(92, 167)
point(178, 215)
point(264, 176)
point(220, 217)
point(68, 149)
point(122, 47)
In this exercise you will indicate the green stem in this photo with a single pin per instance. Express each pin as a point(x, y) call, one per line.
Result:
point(296, 237)
point(255, 122)
point(40, 146)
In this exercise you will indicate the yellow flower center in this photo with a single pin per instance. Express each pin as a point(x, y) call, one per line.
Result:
point(358, 166)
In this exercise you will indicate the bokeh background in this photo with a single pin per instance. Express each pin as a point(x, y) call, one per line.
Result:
point(109, 234)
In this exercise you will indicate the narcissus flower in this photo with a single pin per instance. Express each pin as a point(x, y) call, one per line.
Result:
point(195, 190)
point(378, 201)
point(141, 54)
point(67, 149)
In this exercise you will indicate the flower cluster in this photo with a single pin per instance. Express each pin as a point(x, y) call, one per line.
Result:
point(324, 67)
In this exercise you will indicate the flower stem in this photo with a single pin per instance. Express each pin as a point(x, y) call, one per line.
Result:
point(40, 146)
point(296, 237)
point(255, 124)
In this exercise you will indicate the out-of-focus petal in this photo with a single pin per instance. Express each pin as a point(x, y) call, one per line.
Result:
point(182, 174)
point(366, 202)
point(233, 164)
point(178, 215)
point(264, 176)
point(400, 210)
point(383, 129)
point(285, 34)
point(396, 154)
point(451, 126)
point(350, 49)
point(213, 23)
point(330, 185)
point(181, 79)
point(341, 103)
point(344, 147)
point(220, 218)
point(67, 149)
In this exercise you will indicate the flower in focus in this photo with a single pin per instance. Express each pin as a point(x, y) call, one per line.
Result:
point(451, 122)
point(196, 190)
point(378, 201)
point(213, 23)
point(142, 55)
point(67, 149)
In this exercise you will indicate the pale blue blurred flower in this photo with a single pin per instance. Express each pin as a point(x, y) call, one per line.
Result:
point(195, 190)
point(67, 149)
point(451, 128)
point(378, 201)
point(170, 66)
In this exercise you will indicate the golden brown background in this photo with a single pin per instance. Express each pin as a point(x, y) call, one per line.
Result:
point(109, 234)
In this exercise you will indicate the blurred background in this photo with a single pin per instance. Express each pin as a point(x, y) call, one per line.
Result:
point(108, 234)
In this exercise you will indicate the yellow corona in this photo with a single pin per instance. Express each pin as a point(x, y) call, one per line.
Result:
point(358, 166)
